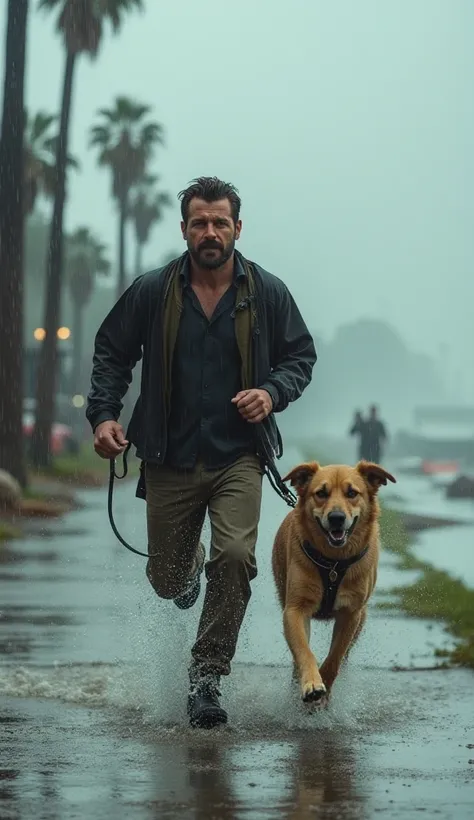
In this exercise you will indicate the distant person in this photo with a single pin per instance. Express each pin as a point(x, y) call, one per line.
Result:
point(374, 435)
point(224, 348)
point(371, 432)
point(356, 429)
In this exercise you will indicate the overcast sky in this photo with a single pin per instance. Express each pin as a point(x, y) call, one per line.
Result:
point(347, 125)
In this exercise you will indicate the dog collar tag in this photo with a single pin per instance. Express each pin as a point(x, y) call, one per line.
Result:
point(333, 575)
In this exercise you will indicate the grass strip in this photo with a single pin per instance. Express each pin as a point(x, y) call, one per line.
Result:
point(435, 595)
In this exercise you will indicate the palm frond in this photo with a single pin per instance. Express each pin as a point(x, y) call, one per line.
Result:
point(163, 200)
point(99, 135)
point(87, 258)
point(129, 110)
point(147, 211)
point(81, 21)
point(40, 125)
point(103, 266)
point(114, 10)
point(147, 181)
point(109, 114)
point(51, 146)
point(152, 132)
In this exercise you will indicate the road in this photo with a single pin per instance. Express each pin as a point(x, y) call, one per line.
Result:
point(93, 689)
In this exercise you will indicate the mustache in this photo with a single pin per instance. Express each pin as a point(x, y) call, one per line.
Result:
point(210, 245)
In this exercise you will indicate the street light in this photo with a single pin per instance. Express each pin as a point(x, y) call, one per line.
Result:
point(63, 333)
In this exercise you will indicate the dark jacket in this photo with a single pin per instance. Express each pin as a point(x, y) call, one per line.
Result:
point(284, 356)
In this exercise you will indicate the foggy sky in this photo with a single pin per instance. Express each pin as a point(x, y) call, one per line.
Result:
point(348, 128)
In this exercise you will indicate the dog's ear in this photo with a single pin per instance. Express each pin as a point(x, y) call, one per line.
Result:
point(374, 474)
point(301, 476)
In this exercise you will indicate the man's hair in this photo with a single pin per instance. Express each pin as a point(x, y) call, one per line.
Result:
point(210, 189)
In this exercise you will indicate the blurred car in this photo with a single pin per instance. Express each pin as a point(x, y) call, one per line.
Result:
point(63, 439)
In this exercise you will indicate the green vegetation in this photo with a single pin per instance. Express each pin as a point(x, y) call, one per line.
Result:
point(85, 469)
point(7, 531)
point(434, 595)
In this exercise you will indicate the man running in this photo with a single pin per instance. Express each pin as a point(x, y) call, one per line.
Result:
point(224, 348)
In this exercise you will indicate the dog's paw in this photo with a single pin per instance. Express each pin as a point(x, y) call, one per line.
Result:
point(313, 692)
point(315, 707)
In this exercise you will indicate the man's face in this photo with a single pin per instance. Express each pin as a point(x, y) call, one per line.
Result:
point(210, 232)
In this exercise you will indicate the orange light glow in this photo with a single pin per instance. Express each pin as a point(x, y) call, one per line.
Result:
point(63, 333)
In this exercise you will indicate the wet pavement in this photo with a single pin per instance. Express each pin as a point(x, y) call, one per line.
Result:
point(93, 688)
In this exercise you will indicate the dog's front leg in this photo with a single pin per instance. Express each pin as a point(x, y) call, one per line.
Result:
point(345, 629)
point(296, 633)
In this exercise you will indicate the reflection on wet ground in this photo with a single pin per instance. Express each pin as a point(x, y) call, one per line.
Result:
point(93, 685)
point(75, 761)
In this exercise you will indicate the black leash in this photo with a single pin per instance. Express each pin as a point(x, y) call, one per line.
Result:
point(269, 467)
point(112, 476)
point(268, 455)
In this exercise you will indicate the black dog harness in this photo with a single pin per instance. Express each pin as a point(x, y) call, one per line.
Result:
point(332, 573)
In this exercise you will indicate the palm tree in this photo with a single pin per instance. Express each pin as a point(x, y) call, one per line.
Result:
point(125, 140)
point(40, 152)
point(39, 159)
point(146, 210)
point(80, 23)
point(11, 243)
point(86, 261)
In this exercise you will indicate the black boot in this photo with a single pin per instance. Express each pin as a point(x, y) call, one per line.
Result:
point(204, 709)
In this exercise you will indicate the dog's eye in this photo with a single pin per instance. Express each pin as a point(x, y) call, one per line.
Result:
point(322, 494)
point(351, 493)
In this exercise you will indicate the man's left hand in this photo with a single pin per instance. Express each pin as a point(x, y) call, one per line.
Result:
point(253, 405)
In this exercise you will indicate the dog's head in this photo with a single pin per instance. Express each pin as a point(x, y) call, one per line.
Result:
point(338, 497)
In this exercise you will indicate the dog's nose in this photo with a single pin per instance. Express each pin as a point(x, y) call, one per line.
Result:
point(336, 519)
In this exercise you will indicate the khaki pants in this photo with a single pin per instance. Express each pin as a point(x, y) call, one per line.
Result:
point(176, 507)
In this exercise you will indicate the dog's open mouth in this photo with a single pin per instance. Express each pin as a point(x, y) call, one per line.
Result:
point(338, 537)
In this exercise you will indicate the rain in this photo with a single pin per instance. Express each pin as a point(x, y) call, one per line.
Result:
point(347, 130)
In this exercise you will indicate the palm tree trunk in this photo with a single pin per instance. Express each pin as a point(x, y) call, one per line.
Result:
point(47, 366)
point(11, 244)
point(121, 280)
point(76, 385)
point(138, 258)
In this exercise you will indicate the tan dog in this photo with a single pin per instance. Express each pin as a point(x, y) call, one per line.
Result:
point(325, 558)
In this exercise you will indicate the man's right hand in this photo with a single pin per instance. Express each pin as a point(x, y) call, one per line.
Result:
point(109, 440)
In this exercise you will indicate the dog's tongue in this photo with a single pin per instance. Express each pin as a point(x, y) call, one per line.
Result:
point(338, 535)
